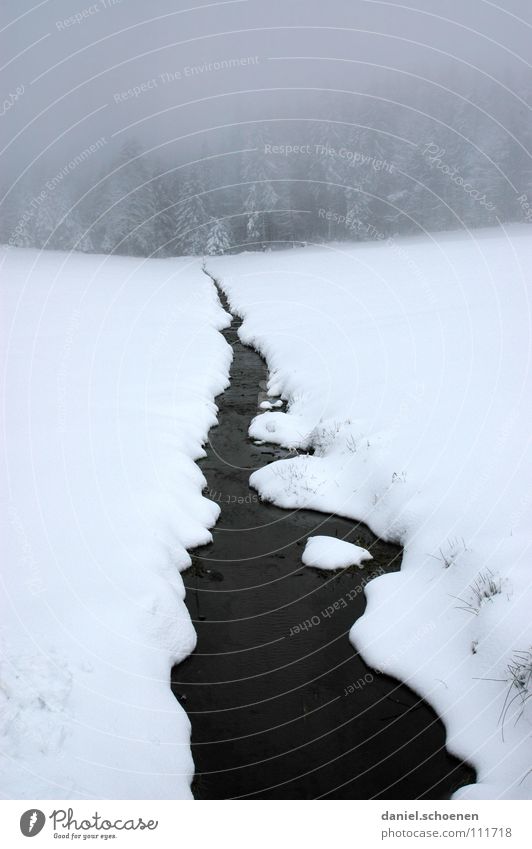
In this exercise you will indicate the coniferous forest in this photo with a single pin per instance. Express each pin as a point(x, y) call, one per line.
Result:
point(378, 169)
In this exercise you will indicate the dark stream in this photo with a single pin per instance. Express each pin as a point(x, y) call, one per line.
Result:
point(277, 712)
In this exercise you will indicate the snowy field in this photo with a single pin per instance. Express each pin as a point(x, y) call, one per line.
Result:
point(406, 366)
point(110, 367)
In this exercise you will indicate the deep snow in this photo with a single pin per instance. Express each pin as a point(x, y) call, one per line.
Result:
point(110, 368)
point(406, 368)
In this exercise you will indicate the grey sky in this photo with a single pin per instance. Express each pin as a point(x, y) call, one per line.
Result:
point(73, 77)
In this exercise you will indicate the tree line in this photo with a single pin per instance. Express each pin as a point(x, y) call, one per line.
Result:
point(366, 173)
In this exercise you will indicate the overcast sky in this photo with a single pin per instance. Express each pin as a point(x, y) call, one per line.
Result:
point(75, 71)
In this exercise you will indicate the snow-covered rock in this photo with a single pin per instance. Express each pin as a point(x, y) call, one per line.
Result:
point(323, 552)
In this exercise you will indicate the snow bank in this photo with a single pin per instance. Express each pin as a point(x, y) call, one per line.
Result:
point(322, 552)
point(406, 368)
point(110, 368)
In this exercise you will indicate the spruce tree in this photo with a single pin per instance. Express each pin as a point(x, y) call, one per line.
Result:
point(130, 206)
point(219, 238)
point(191, 217)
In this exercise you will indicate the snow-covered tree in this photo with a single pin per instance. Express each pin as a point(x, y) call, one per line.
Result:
point(129, 205)
point(191, 217)
point(16, 218)
point(260, 195)
point(58, 224)
point(255, 229)
point(164, 223)
point(219, 238)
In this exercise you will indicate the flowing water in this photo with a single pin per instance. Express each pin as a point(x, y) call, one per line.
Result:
point(281, 705)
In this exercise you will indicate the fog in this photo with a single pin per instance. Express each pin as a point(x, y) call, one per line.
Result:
point(183, 82)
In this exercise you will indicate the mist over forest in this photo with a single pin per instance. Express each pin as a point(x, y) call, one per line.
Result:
point(253, 136)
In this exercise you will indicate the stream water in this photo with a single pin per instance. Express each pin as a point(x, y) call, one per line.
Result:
point(281, 705)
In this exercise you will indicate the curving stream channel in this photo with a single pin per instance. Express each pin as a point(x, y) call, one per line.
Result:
point(281, 705)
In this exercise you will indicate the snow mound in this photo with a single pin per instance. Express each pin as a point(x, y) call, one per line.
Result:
point(323, 552)
point(280, 429)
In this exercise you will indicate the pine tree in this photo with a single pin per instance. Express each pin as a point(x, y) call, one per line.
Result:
point(164, 223)
point(219, 239)
point(328, 178)
point(130, 205)
point(261, 198)
point(58, 224)
point(16, 218)
point(255, 230)
point(191, 217)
